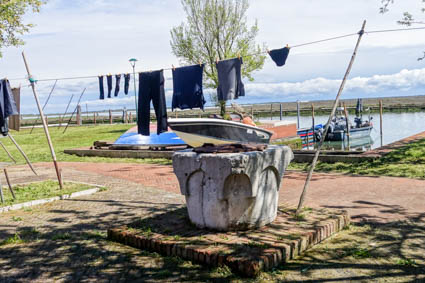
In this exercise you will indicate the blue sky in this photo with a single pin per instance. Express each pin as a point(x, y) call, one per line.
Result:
point(79, 38)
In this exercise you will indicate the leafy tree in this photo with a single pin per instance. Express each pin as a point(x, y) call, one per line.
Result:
point(408, 19)
point(11, 22)
point(216, 29)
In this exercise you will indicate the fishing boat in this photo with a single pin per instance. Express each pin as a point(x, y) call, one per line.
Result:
point(338, 126)
point(199, 131)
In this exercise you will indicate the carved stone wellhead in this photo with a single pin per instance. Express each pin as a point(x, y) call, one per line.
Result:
point(232, 191)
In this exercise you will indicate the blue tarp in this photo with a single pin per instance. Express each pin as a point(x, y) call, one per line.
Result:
point(164, 139)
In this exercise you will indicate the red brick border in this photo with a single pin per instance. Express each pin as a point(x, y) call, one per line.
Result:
point(251, 266)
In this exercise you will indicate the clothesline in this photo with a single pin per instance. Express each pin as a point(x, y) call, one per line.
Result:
point(248, 55)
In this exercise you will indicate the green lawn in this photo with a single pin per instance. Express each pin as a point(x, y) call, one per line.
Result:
point(40, 190)
point(408, 161)
point(36, 147)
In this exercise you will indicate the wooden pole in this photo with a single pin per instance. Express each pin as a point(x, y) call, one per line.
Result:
point(316, 155)
point(66, 110)
point(380, 117)
point(46, 129)
point(131, 117)
point(1, 193)
point(252, 112)
point(347, 125)
point(298, 114)
point(79, 115)
point(45, 104)
point(22, 152)
point(72, 115)
point(94, 118)
point(271, 111)
point(110, 116)
point(8, 153)
point(8, 183)
point(280, 110)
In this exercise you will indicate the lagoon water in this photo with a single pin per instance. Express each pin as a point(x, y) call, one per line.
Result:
point(396, 126)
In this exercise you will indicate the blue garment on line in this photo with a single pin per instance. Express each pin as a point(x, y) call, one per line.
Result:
point(279, 56)
point(126, 83)
point(230, 84)
point(187, 87)
point(117, 84)
point(109, 83)
point(101, 89)
point(151, 87)
point(7, 105)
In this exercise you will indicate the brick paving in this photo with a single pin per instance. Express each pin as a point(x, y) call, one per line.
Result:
point(379, 199)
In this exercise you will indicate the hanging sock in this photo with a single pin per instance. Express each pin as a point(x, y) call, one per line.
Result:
point(230, 84)
point(101, 89)
point(151, 87)
point(109, 82)
point(7, 105)
point(279, 56)
point(117, 84)
point(126, 83)
point(187, 87)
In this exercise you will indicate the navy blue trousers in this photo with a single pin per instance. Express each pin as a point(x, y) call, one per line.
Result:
point(151, 87)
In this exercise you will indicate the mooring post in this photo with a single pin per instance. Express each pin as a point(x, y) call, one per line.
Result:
point(131, 117)
point(271, 111)
point(8, 183)
point(94, 118)
point(46, 129)
point(280, 110)
point(380, 117)
point(252, 112)
point(110, 116)
point(347, 125)
point(298, 114)
point(316, 155)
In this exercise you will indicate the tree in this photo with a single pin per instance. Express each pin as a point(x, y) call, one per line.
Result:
point(216, 29)
point(407, 18)
point(11, 22)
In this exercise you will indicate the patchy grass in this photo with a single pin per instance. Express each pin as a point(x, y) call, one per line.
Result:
point(40, 190)
point(37, 149)
point(408, 161)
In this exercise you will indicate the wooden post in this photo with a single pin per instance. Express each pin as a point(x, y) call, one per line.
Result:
point(8, 183)
point(79, 116)
point(131, 117)
point(298, 114)
point(280, 105)
point(380, 117)
point(176, 113)
point(316, 155)
point(94, 118)
point(110, 116)
point(313, 122)
point(347, 125)
point(271, 111)
point(46, 129)
point(1, 193)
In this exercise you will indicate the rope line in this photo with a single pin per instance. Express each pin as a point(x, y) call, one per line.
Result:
point(248, 55)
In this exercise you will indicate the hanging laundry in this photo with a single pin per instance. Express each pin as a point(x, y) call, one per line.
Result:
point(279, 56)
point(7, 105)
point(109, 83)
point(230, 84)
point(151, 87)
point(187, 85)
point(117, 84)
point(126, 83)
point(101, 89)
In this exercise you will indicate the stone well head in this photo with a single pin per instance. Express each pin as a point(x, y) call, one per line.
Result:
point(232, 191)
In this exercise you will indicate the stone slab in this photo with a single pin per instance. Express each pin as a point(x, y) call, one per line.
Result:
point(247, 253)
